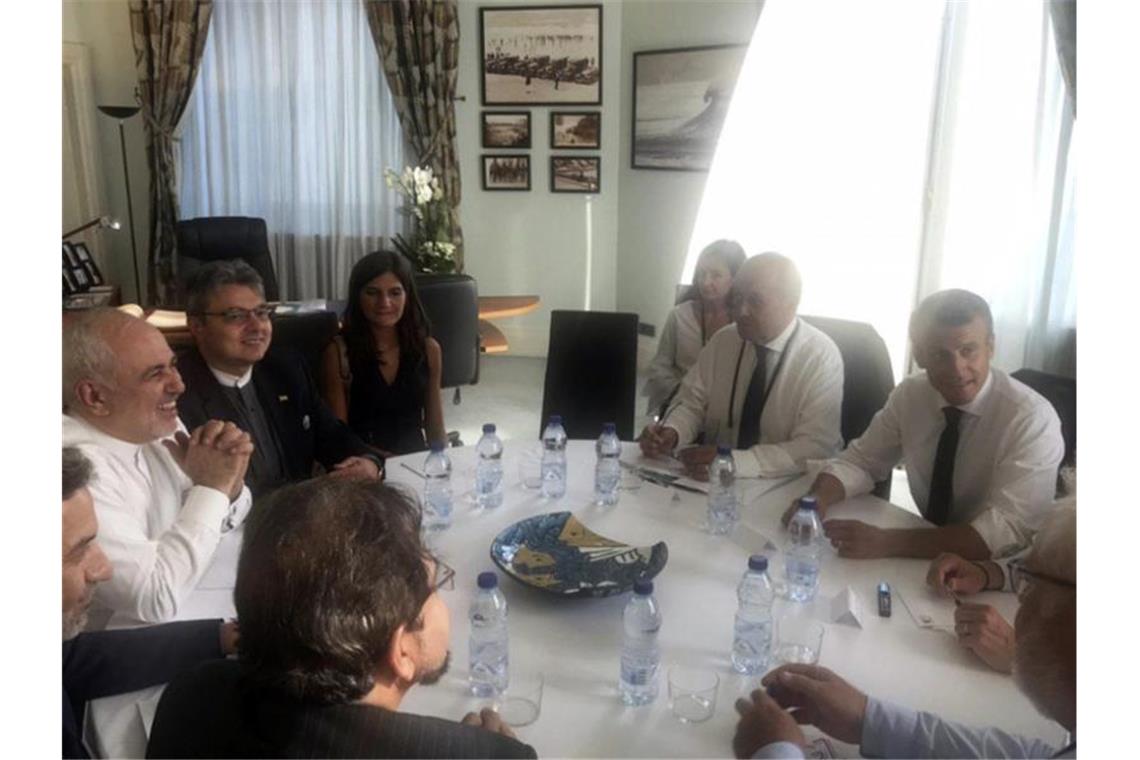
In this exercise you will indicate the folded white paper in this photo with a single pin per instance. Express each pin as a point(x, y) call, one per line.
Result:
point(846, 608)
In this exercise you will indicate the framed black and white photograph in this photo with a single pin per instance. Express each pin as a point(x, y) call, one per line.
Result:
point(573, 174)
point(680, 100)
point(73, 271)
point(84, 259)
point(541, 55)
point(575, 130)
point(506, 172)
point(506, 129)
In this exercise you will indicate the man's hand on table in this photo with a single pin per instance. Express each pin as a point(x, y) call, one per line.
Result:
point(763, 722)
point(826, 490)
point(950, 574)
point(488, 720)
point(216, 455)
point(356, 467)
point(697, 460)
point(818, 697)
point(658, 441)
point(854, 539)
point(981, 629)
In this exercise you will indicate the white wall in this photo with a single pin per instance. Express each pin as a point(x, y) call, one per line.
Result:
point(105, 27)
point(659, 208)
point(538, 242)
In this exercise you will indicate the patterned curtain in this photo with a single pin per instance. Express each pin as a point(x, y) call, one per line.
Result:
point(418, 42)
point(169, 36)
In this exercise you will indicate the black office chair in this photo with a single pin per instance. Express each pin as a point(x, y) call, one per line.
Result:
point(215, 238)
point(307, 334)
point(451, 302)
point(1062, 394)
point(867, 377)
point(591, 372)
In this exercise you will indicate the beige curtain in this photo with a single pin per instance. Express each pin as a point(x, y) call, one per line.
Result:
point(169, 37)
point(1064, 14)
point(418, 42)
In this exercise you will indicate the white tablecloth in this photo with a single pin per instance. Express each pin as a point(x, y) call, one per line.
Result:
point(576, 642)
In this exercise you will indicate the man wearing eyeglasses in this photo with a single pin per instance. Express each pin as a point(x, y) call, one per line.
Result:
point(342, 613)
point(1044, 667)
point(233, 375)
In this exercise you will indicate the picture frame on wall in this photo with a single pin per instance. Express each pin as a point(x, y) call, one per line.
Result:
point(541, 55)
point(575, 130)
point(85, 260)
point(73, 271)
point(680, 100)
point(506, 129)
point(506, 171)
point(575, 174)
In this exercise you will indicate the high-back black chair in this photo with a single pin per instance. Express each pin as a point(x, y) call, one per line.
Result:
point(216, 238)
point(1062, 394)
point(451, 302)
point(867, 377)
point(307, 334)
point(591, 372)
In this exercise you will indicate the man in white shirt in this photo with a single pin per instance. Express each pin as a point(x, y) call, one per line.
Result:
point(981, 449)
point(1044, 667)
point(770, 385)
point(163, 497)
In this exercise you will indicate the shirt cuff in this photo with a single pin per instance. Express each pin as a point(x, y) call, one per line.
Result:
point(780, 750)
point(856, 481)
point(1001, 535)
point(205, 506)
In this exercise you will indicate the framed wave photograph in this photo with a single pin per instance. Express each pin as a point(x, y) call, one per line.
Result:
point(506, 172)
point(575, 130)
point(680, 100)
point(541, 55)
point(506, 129)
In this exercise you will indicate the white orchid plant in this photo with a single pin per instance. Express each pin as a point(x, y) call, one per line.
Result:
point(428, 247)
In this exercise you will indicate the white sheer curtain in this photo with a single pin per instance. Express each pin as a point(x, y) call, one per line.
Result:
point(291, 120)
point(897, 148)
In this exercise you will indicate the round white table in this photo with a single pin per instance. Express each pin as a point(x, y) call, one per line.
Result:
point(575, 642)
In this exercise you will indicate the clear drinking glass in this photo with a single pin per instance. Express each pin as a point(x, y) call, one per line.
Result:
point(692, 693)
point(799, 638)
point(530, 466)
point(522, 703)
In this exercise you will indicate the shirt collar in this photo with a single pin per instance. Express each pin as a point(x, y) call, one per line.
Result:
point(976, 406)
point(232, 381)
point(777, 344)
point(120, 449)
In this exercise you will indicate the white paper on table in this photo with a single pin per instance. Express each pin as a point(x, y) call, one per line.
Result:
point(847, 608)
point(927, 609)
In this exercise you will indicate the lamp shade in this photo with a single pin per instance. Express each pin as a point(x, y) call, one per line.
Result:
point(120, 112)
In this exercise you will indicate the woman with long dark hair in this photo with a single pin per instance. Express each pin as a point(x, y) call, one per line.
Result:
point(702, 310)
point(381, 374)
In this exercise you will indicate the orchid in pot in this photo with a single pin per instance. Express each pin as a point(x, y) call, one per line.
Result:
point(428, 246)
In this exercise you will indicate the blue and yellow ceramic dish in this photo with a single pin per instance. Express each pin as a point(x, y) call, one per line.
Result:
point(557, 553)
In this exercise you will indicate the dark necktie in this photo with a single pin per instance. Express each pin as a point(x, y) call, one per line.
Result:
point(749, 434)
point(942, 481)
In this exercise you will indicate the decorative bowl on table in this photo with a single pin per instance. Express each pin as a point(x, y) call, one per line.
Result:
point(556, 553)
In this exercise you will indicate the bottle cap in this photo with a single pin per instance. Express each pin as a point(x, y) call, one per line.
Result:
point(488, 427)
point(808, 502)
point(609, 427)
point(758, 563)
point(487, 580)
point(436, 447)
point(723, 451)
point(643, 587)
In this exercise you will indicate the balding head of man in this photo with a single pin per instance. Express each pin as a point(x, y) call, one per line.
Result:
point(1045, 657)
point(119, 376)
point(765, 296)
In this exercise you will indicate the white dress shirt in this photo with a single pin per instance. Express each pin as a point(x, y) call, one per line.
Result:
point(1005, 471)
point(677, 350)
point(800, 420)
point(226, 380)
point(156, 527)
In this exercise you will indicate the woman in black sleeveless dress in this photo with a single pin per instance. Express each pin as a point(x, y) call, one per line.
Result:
point(381, 374)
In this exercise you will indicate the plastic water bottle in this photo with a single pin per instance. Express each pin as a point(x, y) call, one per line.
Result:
point(437, 488)
point(607, 472)
point(752, 633)
point(489, 469)
point(640, 655)
point(489, 671)
point(803, 551)
point(723, 511)
point(554, 458)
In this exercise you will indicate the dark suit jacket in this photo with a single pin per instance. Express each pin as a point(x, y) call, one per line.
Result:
point(214, 711)
point(104, 663)
point(306, 427)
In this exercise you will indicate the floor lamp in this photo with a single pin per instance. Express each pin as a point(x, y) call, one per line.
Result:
point(122, 113)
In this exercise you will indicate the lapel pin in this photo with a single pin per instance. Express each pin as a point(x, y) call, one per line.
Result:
point(305, 422)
